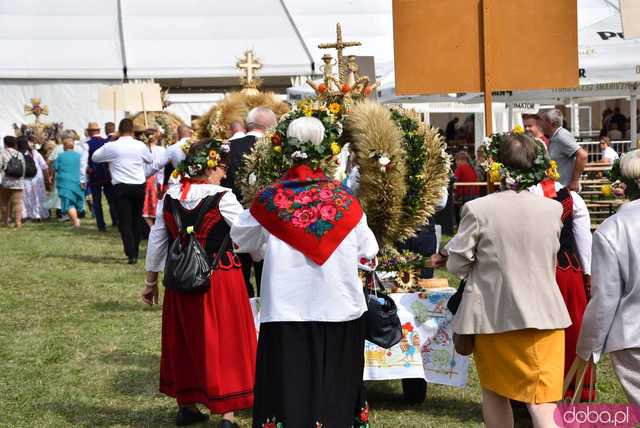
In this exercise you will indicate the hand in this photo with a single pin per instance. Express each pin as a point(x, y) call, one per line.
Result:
point(574, 185)
point(437, 261)
point(150, 294)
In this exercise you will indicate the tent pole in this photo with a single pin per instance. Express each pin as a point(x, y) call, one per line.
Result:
point(633, 113)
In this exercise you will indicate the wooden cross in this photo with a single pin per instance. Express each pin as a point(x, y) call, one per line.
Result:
point(339, 46)
point(36, 109)
point(248, 65)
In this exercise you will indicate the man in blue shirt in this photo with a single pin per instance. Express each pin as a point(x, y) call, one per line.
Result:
point(99, 179)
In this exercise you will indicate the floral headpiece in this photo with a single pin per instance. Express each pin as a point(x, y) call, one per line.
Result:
point(330, 115)
point(207, 156)
point(623, 186)
point(509, 178)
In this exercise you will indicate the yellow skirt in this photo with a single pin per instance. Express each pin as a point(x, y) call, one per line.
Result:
point(523, 365)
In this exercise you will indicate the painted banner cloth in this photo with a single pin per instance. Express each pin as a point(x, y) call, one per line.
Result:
point(426, 349)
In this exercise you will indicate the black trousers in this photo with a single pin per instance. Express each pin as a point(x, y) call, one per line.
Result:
point(247, 264)
point(130, 200)
point(96, 197)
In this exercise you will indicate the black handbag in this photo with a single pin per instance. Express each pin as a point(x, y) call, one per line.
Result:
point(463, 343)
point(454, 301)
point(383, 324)
point(188, 268)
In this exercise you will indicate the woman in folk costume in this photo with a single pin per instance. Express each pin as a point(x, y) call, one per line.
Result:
point(208, 339)
point(511, 304)
point(155, 175)
point(573, 271)
point(34, 194)
point(313, 233)
point(611, 323)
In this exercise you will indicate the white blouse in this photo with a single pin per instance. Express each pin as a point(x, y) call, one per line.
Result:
point(158, 244)
point(581, 225)
point(296, 289)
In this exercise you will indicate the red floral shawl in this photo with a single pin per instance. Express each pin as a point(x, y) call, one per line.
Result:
point(308, 211)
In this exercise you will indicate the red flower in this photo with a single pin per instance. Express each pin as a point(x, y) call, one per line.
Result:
point(281, 200)
point(328, 212)
point(276, 140)
point(303, 217)
point(364, 414)
point(345, 88)
point(367, 90)
point(326, 195)
point(407, 326)
point(322, 88)
point(304, 198)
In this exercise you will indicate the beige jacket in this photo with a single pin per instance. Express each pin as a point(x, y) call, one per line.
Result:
point(506, 247)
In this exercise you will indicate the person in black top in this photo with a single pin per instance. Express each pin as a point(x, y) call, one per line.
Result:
point(258, 121)
point(99, 179)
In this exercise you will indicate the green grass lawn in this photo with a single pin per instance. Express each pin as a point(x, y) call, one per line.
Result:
point(79, 349)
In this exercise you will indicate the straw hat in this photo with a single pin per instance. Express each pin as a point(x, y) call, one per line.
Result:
point(93, 126)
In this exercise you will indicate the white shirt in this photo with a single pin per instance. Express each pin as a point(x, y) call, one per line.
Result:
point(174, 153)
point(157, 166)
point(581, 226)
point(609, 154)
point(256, 133)
point(127, 158)
point(237, 135)
point(296, 289)
point(158, 244)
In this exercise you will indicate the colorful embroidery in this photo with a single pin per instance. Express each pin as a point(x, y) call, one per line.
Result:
point(362, 420)
point(272, 423)
point(314, 207)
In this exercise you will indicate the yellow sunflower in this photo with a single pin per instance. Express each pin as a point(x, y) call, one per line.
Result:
point(334, 108)
point(308, 111)
point(552, 171)
point(518, 130)
point(494, 174)
point(211, 163)
point(335, 148)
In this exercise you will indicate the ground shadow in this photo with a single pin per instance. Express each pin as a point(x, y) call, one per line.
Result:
point(123, 358)
point(87, 415)
point(87, 258)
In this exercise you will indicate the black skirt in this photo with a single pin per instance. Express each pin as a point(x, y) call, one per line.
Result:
point(309, 374)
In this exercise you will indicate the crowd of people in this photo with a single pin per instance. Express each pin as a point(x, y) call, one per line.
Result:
point(540, 290)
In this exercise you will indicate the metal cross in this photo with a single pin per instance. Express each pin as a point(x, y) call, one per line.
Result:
point(247, 65)
point(339, 46)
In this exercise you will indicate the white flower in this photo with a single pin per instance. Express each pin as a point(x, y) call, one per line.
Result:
point(486, 140)
point(252, 179)
point(299, 155)
point(339, 128)
point(510, 181)
point(225, 148)
point(384, 160)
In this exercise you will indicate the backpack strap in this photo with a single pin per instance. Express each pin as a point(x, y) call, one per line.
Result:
point(209, 203)
point(176, 213)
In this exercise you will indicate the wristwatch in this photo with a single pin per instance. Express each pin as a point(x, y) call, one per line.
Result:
point(443, 252)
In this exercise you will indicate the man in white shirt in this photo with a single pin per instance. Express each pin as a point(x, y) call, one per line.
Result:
point(127, 158)
point(609, 155)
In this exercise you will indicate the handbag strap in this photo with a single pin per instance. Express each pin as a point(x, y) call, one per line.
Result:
point(221, 251)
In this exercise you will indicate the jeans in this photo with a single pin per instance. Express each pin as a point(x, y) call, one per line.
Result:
point(96, 197)
point(129, 200)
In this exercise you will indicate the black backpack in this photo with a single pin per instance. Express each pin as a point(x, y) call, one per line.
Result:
point(15, 167)
point(30, 169)
point(188, 269)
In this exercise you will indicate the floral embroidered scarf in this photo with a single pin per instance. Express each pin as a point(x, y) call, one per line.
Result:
point(308, 211)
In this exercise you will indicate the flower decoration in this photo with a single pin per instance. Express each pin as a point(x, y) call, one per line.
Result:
point(518, 130)
point(316, 154)
point(511, 179)
point(208, 156)
point(607, 191)
point(623, 187)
